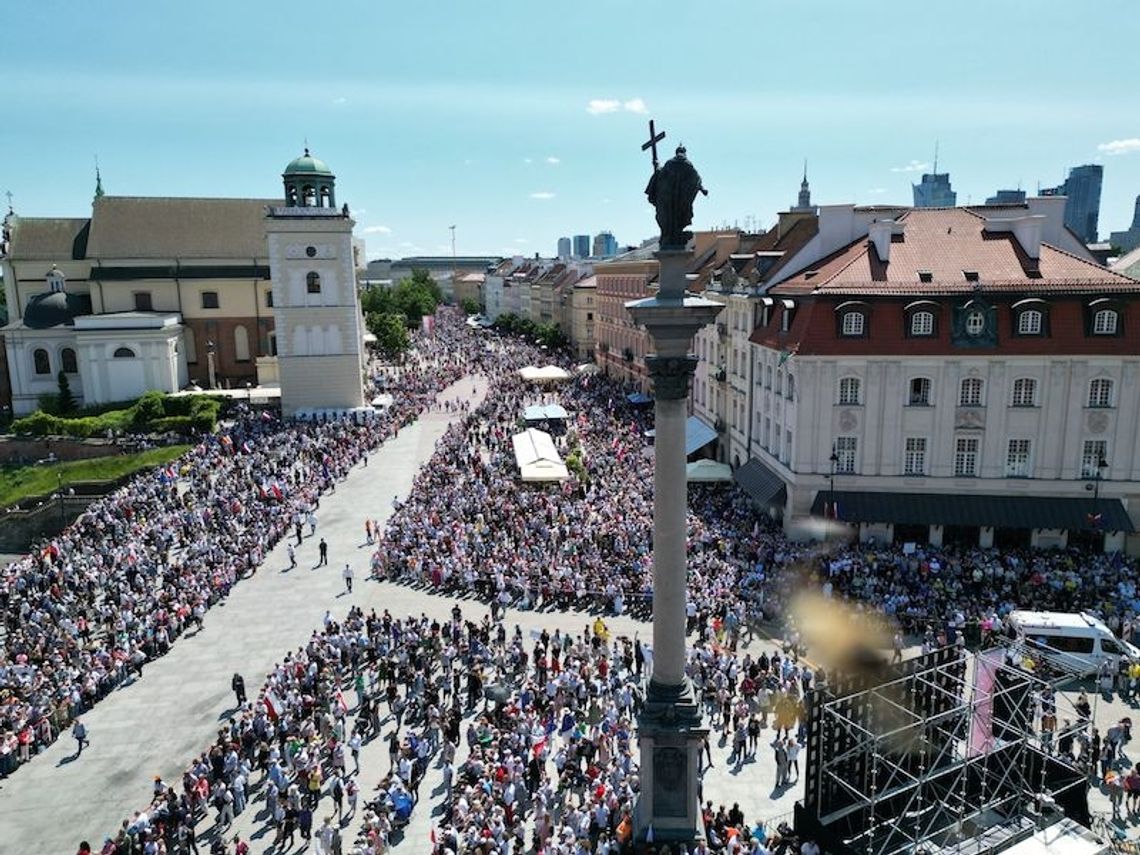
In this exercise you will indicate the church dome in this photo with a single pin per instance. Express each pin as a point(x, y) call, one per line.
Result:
point(306, 164)
point(59, 308)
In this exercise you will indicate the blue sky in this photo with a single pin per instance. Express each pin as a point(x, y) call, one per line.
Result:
point(520, 121)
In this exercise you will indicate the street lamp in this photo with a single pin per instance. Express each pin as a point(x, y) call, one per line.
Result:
point(210, 365)
point(831, 488)
point(1101, 466)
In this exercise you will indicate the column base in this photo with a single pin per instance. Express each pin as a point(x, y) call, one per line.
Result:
point(671, 737)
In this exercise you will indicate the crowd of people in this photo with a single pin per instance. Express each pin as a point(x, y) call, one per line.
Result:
point(549, 756)
point(139, 568)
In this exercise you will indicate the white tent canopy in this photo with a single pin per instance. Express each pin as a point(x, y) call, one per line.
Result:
point(708, 470)
point(546, 374)
point(537, 458)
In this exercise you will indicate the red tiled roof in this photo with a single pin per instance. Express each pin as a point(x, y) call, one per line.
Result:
point(945, 242)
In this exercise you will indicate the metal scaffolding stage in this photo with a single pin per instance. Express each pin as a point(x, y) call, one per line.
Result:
point(948, 752)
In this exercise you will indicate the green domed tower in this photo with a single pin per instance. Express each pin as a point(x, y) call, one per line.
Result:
point(309, 183)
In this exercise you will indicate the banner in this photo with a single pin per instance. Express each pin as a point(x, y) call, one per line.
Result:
point(986, 667)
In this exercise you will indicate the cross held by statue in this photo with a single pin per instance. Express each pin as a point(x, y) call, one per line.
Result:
point(651, 143)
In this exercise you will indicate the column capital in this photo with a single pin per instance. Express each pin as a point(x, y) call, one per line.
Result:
point(670, 375)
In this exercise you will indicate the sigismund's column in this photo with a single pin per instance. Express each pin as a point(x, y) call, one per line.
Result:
point(670, 730)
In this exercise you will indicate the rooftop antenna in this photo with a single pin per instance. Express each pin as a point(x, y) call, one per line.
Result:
point(453, 271)
point(8, 193)
point(936, 157)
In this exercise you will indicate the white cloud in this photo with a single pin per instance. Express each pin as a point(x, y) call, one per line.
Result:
point(876, 191)
point(341, 100)
point(612, 105)
point(542, 194)
point(521, 240)
point(376, 230)
point(553, 161)
point(913, 166)
point(1128, 146)
point(468, 162)
point(603, 105)
point(528, 160)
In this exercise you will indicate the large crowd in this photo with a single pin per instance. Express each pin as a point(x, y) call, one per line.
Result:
point(534, 738)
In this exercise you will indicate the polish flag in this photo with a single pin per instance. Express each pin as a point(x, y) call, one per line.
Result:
point(273, 704)
point(340, 700)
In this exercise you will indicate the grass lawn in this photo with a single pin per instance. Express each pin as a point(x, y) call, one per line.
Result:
point(20, 482)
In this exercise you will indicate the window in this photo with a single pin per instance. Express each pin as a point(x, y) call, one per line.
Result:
point(1024, 392)
point(210, 299)
point(768, 377)
point(68, 361)
point(975, 322)
point(241, 344)
point(920, 392)
point(41, 361)
point(143, 302)
point(124, 353)
point(1017, 459)
point(1105, 322)
point(1094, 453)
point(273, 344)
point(922, 323)
point(589, 316)
point(313, 283)
point(970, 394)
point(914, 457)
point(845, 448)
point(269, 299)
point(791, 387)
point(779, 382)
point(853, 324)
point(1030, 322)
point(787, 446)
point(1100, 393)
point(849, 389)
point(966, 457)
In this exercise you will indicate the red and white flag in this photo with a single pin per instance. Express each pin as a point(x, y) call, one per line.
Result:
point(273, 704)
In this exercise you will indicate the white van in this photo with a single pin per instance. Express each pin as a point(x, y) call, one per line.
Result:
point(1072, 641)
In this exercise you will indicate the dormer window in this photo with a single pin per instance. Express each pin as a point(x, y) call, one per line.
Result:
point(787, 315)
point(1105, 322)
point(925, 276)
point(1031, 318)
point(970, 275)
point(853, 318)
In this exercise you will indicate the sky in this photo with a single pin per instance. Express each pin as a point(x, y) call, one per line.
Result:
point(520, 122)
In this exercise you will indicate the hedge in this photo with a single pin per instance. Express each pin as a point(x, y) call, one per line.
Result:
point(154, 412)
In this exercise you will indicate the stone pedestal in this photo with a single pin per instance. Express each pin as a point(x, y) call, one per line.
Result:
point(669, 729)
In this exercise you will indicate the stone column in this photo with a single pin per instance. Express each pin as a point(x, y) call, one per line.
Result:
point(669, 728)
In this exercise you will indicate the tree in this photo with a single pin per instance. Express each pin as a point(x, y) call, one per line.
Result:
point(66, 401)
point(391, 332)
point(469, 305)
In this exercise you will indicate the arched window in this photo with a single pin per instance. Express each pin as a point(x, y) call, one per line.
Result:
point(308, 196)
point(1029, 322)
point(313, 282)
point(853, 324)
point(1105, 322)
point(922, 323)
point(849, 391)
point(920, 392)
point(41, 362)
point(970, 394)
point(1100, 393)
point(124, 353)
point(1024, 392)
point(241, 343)
point(68, 361)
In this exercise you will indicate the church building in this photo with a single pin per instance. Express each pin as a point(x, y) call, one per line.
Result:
point(163, 293)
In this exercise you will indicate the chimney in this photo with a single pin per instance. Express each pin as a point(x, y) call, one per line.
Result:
point(1028, 230)
point(880, 235)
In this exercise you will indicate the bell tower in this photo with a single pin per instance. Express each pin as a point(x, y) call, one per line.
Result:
point(316, 309)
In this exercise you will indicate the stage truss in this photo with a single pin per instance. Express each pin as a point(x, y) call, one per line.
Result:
point(932, 753)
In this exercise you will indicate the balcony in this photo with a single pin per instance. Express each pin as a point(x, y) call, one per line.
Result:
point(721, 375)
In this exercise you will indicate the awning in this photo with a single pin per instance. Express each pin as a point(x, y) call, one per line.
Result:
point(965, 510)
point(763, 486)
point(546, 374)
point(638, 399)
point(697, 435)
point(708, 471)
point(545, 412)
point(537, 458)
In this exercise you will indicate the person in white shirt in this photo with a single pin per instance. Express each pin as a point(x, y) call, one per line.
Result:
point(347, 574)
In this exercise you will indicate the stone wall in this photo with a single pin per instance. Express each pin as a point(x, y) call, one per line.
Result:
point(24, 449)
point(20, 527)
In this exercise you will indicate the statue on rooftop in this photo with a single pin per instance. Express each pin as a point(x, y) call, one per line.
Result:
point(671, 190)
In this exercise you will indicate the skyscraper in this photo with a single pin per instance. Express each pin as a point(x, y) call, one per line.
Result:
point(1127, 241)
point(1082, 208)
point(564, 247)
point(934, 191)
point(1007, 197)
point(581, 246)
point(605, 245)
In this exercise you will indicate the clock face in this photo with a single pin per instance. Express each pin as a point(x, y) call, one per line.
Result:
point(975, 322)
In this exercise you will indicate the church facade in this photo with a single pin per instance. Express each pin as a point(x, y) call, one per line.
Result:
point(161, 293)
